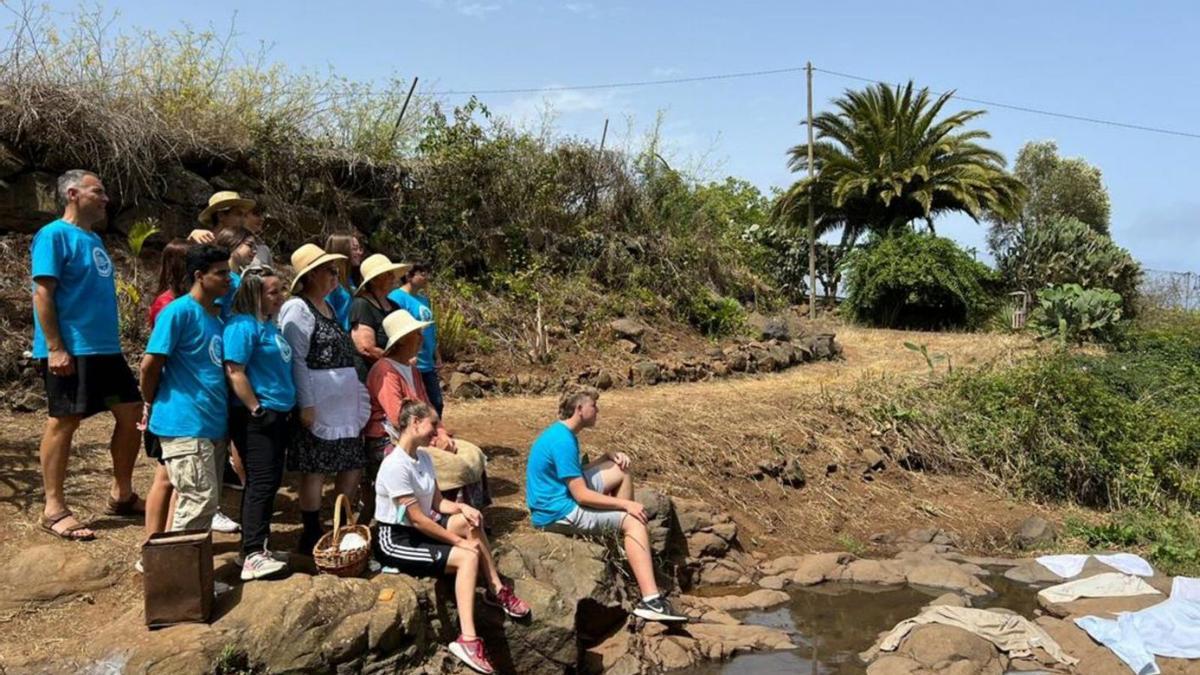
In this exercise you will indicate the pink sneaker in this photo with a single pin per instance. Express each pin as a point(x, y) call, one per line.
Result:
point(472, 653)
point(507, 600)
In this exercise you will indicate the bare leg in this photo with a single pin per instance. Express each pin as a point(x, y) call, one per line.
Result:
point(235, 459)
point(487, 567)
point(160, 502)
point(54, 452)
point(347, 482)
point(171, 512)
point(466, 568)
point(126, 440)
point(617, 481)
point(637, 550)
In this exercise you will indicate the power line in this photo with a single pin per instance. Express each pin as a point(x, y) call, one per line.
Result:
point(619, 85)
point(1021, 108)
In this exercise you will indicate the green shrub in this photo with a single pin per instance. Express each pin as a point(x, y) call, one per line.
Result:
point(714, 315)
point(1067, 251)
point(918, 281)
point(1074, 314)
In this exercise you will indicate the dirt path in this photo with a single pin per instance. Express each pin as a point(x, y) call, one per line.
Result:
point(697, 441)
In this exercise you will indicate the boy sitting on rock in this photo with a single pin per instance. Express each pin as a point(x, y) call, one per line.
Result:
point(566, 497)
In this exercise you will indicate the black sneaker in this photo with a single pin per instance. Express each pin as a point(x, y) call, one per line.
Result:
point(659, 610)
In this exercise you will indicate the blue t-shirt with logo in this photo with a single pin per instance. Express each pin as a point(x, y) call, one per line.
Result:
point(339, 301)
point(191, 400)
point(85, 296)
point(225, 302)
point(418, 306)
point(553, 460)
point(267, 357)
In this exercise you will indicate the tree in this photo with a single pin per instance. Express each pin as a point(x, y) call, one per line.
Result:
point(1059, 188)
point(887, 157)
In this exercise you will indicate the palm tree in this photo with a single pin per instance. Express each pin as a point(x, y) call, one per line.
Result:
point(883, 160)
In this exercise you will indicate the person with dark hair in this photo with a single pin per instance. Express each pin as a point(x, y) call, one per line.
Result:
point(241, 244)
point(413, 297)
point(182, 374)
point(77, 348)
point(172, 276)
point(229, 209)
point(567, 497)
point(258, 363)
point(339, 298)
point(423, 535)
point(333, 403)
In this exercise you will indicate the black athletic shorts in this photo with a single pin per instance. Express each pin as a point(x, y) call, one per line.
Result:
point(153, 446)
point(99, 382)
point(411, 552)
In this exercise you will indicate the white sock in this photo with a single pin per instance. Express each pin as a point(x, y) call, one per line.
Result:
point(648, 598)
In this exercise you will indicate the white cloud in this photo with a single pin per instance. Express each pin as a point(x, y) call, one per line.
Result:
point(546, 106)
point(665, 71)
point(477, 9)
point(585, 8)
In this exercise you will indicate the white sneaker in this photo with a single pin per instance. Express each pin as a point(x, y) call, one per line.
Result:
point(260, 565)
point(138, 566)
point(223, 523)
point(281, 556)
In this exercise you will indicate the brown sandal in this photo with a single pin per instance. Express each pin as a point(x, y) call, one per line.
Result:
point(128, 508)
point(48, 523)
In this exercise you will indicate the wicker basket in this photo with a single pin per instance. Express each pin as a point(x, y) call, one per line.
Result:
point(342, 563)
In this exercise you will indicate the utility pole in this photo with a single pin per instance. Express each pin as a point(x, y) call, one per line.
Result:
point(403, 108)
point(812, 229)
point(604, 136)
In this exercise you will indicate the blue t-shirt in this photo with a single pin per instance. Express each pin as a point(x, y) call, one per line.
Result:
point(418, 306)
point(86, 294)
point(191, 398)
point(267, 357)
point(225, 302)
point(553, 460)
point(339, 301)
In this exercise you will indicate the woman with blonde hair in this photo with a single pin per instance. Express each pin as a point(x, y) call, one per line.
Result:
point(392, 382)
point(333, 403)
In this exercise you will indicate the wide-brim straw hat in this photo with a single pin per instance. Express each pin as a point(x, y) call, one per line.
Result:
point(378, 264)
point(308, 258)
point(399, 324)
point(226, 199)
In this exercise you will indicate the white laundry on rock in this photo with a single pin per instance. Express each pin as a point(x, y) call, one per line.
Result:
point(1170, 629)
point(1107, 585)
point(1065, 565)
point(1127, 563)
point(1011, 633)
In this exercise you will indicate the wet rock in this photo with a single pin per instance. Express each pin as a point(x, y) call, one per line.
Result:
point(1035, 532)
point(808, 570)
point(759, 599)
point(942, 648)
point(879, 572)
point(774, 583)
point(947, 575)
point(52, 573)
point(950, 600)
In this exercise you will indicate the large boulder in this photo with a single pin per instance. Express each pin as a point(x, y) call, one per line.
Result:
point(1035, 532)
point(943, 648)
point(577, 596)
point(185, 188)
point(51, 573)
point(808, 570)
point(28, 202)
point(776, 328)
point(312, 624)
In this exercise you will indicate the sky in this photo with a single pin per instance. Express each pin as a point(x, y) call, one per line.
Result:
point(1121, 61)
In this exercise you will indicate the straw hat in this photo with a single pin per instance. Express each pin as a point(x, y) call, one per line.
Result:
point(376, 265)
point(308, 258)
point(398, 324)
point(220, 201)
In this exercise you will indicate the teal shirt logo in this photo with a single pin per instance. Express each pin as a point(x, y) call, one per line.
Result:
point(216, 350)
point(102, 262)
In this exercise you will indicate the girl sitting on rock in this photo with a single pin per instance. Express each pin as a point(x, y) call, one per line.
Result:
point(423, 535)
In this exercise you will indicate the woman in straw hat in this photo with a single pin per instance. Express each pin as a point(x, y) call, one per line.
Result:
point(333, 404)
point(371, 305)
point(348, 246)
point(392, 381)
point(229, 209)
point(423, 534)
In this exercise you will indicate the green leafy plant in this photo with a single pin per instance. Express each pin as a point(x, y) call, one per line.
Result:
point(455, 335)
point(129, 291)
point(913, 280)
point(931, 360)
point(715, 316)
point(1073, 314)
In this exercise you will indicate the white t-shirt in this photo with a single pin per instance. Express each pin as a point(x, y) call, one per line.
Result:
point(405, 372)
point(402, 476)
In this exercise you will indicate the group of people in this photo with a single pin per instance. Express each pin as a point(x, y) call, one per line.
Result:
point(338, 380)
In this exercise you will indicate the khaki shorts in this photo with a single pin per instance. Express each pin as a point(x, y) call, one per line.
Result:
point(195, 467)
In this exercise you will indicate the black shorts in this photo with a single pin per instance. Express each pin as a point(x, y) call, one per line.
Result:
point(99, 382)
point(153, 446)
point(411, 552)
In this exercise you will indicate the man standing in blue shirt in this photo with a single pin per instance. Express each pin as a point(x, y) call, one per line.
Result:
point(413, 297)
point(183, 374)
point(567, 497)
point(78, 349)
